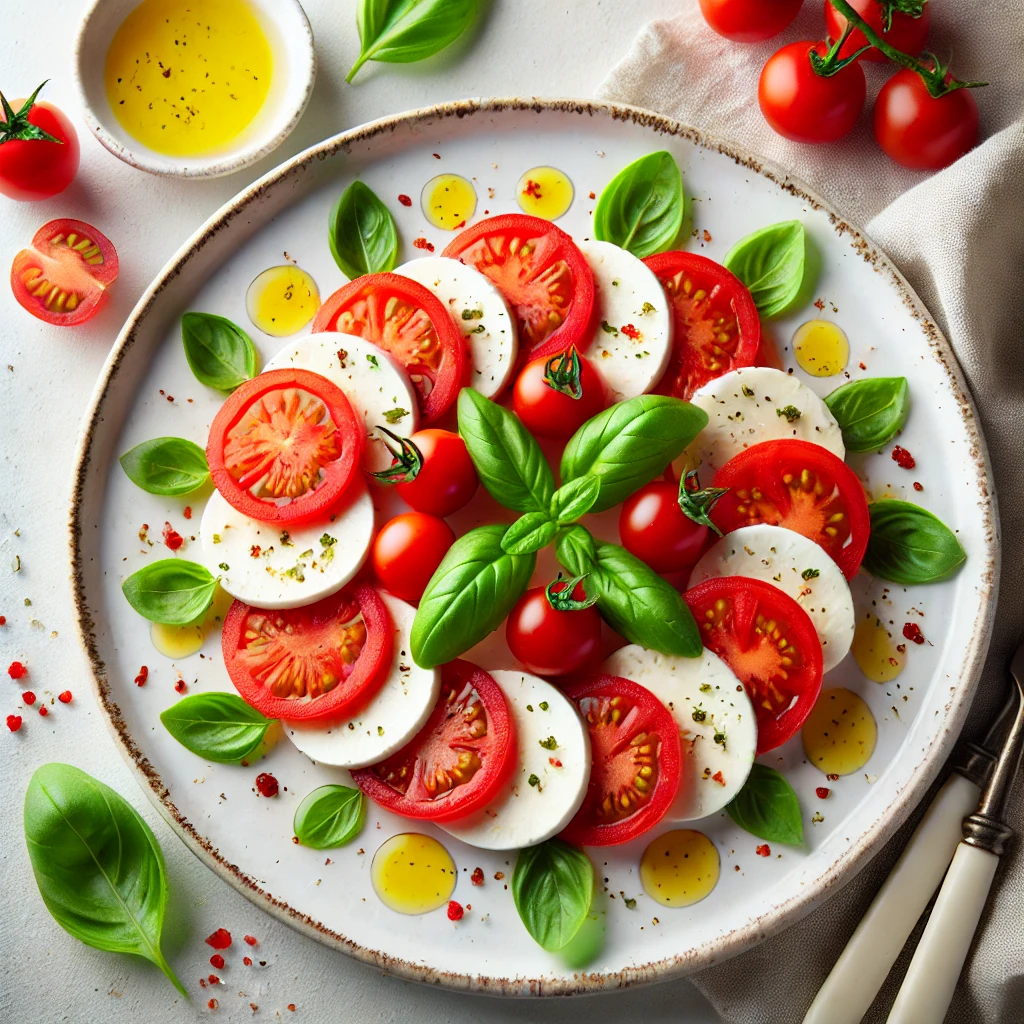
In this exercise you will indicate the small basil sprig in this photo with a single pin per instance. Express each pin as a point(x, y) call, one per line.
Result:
point(553, 889)
point(778, 264)
point(530, 532)
point(403, 31)
point(575, 549)
point(219, 352)
point(97, 864)
point(330, 816)
point(172, 591)
point(641, 208)
point(362, 233)
point(217, 726)
point(696, 503)
point(575, 498)
point(166, 465)
point(870, 412)
point(908, 544)
point(767, 807)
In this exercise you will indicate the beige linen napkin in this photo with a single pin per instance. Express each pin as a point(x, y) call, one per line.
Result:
point(958, 237)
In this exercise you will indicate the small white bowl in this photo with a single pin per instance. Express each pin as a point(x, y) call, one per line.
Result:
point(294, 61)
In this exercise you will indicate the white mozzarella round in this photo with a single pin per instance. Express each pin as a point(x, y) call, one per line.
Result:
point(628, 294)
point(524, 815)
point(273, 565)
point(389, 721)
point(716, 722)
point(480, 312)
point(373, 381)
point(782, 557)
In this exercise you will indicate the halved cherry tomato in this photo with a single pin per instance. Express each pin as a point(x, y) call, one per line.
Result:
point(769, 642)
point(285, 446)
point(551, 641)
point(457, 763)
point(653, 527)
point(905, 33)
point(636, 761)
point(801, 486)
point(550, 412)
point(320, 662)
point(403, 318)
point(446, 478)
point(715, 325)
point(544, 278)
point(63, 277)
point(408, 550)
point(39, 149)
point(749, 21)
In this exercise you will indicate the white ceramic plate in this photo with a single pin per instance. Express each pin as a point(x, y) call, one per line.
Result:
point(247, 839)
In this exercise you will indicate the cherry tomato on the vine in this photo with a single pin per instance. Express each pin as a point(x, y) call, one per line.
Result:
point(407, 551)
point(38, 149)
point(905, 33)
point(550, 412)
point(446, 478)
point(653, 527)
point(549, 641)
point(749, 21)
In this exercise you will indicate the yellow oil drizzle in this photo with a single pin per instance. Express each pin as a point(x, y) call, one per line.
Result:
point(448, 201)
point(178, 642)
point(680, 868)
point(876, 651)
point(840, 732)
point(821, 348)
point(282, 300)
point(413, 873)
point(544, 192)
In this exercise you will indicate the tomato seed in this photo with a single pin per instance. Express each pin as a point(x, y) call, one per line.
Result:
point(28, 697)
point(220, 939)
point(822, 792)
point(266, 784)
point(912, 631)
point(16, 670)
point(65, 697)
point(14, 722)
point(455, 911)
point(217, 961)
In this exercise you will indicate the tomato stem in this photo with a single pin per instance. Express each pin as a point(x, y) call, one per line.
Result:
point(17, 126)
point(562, 600)
point(697, 504)
point(562, 373)
point(832, 63)
point(408, 460)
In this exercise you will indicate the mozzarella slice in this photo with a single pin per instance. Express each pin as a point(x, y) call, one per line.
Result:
point(752, 404)
point(275, 566)
point(373, 381)
point(481, 313)
point(628, 296)
point(715, 717)
point(782, 557)
point(389, 721)
point(524, 815)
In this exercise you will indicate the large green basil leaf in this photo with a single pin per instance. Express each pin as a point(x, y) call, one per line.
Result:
point(469, 595)
point(172, 591)
point(553, 888)
point(631, 443)
point(870, 412)
point(166, 465)
point(575, 550)
point(362, 233)
point(779, 266)
point(767, 807)
point(909, 545)
point(97, 864)
point(641, 208)
point(530, 532)
point(219, 352)
point(575, 499)
point(217, 726)
point(329, 816)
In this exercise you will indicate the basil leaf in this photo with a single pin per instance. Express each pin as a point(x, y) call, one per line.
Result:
point(329, 816)
point(574, 499)
point(529, 533)
point(403, 31)
point(507, 457)
point(553, 888)
point(909, 545)
point(469, 595)
point(778, 264)
point(97, 864)
point(172, 591)
point(870, 412)
point(362, 233)
point(166, 465)
point(575, 550)
point(767, 807)
point(641, 208)
point(219, 353)
point(218, 726)
point(630, 444)
point(639, 605)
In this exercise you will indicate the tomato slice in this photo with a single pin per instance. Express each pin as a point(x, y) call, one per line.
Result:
point(403, 318)
point(801, 486)
point(636, 761)
point(285, 446)
point(321, 662)
point(769, 642)
point(457, 763)
point(543, 277)
point(715, 326)
point(63, 277)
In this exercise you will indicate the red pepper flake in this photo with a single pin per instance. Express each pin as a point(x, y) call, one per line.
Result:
point(593, 195)
point(220, 939)
point(422, 243)
point(630, 332)
point(213, 979)
point(291, 1007)
point(832, 778)
point(532, 189)
point(707, 235)
point(170, 398)
point(903, 458)
point(247, 960)
point(3, 620)
point(437, 156)
point(764, 850)
point(822, 792)
point(28, 697)
point(140, 679)
point(65, 697)
point(404, 199)
point(44, 710)
point(187, 513)
point(719, 778)
point(266, 784)
point(455, 911)
point(212, 1004)
point(461, 224)
point(16, 670)
point(250, 940)
point(180, 686)
point(912, 631)
point(918, 487)
point(477, 878)
point(554, 762)
point(819, 305)
point(172, 538)
point(202, 983)
point(255, 551)
point(217, 961)
point(863, 366)
point(14, 722)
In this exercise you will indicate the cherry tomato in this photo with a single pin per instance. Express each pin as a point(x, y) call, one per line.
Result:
point(769, 642)
point(653, 527)
point(919, 131)
point(749, 21)
point(548, 411)
point(408, 550)
point(459, 761)
point(549, 641)
point(320, 662)
point(905, 33)
point(39, 150)
point(804, 106)
point(446, 478)
point(285, 447)
point(636, 761)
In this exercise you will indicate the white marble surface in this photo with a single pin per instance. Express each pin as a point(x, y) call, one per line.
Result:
point(524, 47)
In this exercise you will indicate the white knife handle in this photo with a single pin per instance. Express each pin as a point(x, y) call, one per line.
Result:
point(928, 987)
point(854, 982)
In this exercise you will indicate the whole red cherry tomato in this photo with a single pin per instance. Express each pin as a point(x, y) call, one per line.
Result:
point(555, 395)
point(653, 527)
point(548, 640)
point(443, 477)
point(408, 550)
point(38, 149)
point(749, 21)
point(905, 33)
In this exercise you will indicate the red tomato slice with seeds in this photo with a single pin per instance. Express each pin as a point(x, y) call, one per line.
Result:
point(543, 277)
point(63, 277)
point(715, 326)
point(636, 761)
point(769, 642)
point(461, 758)
point(318, 663)
point(803, 487)
point(403, 318)
point(285, 446)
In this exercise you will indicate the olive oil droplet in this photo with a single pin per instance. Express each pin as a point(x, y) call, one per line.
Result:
point(840, 732)
point(448, 201)
point(282, 300)
point(413, 873)
point(544, 192)
point(875, 650)
point(680, 868)
point(821, 348)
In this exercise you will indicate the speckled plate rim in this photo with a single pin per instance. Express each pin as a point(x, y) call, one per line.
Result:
point(783, 914)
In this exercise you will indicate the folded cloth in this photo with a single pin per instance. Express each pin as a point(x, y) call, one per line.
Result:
point(958, 237)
